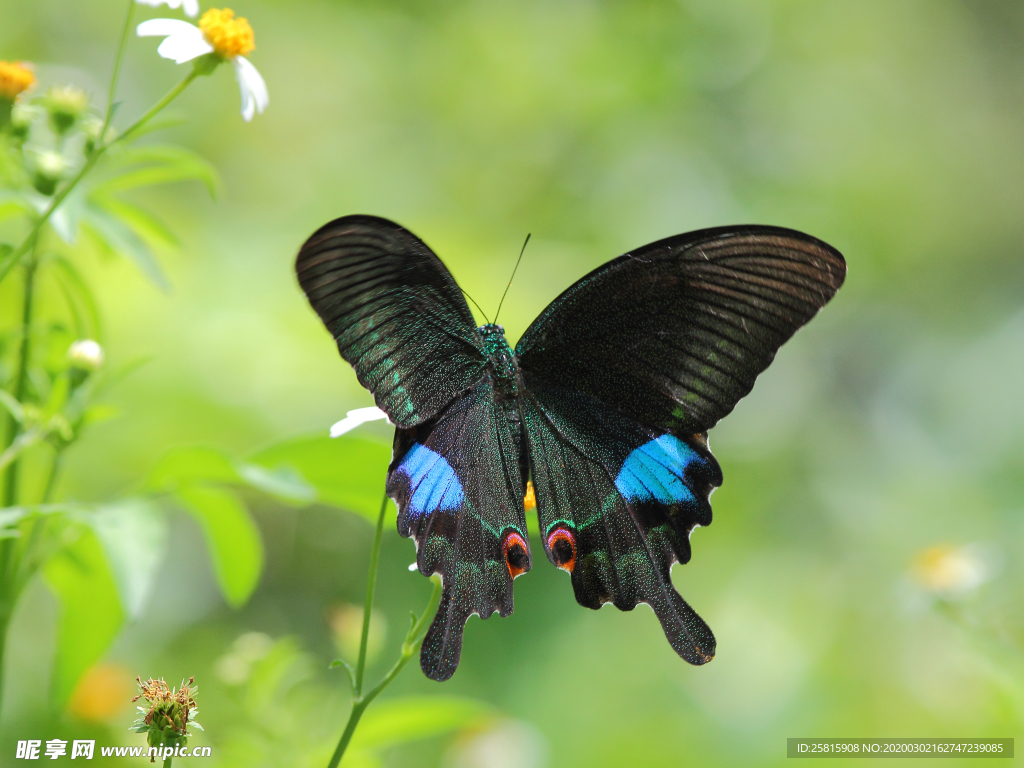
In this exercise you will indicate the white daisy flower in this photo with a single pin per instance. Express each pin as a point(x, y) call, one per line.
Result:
point(359, 416)
point(191, 7)
point(221, 34)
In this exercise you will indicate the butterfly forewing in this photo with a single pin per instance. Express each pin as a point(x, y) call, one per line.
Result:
point(675, 333)
point(458, 481)
point(396, 313)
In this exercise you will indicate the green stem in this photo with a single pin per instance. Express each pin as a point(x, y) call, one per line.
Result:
point(167, 760)
point(371, 584)
point(51, 477)
point(409, 648)
point(21, 377)
point(59, 198)
point(117, 69)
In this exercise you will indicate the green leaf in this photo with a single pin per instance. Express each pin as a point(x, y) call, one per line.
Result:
point(79, 299)
point(189, 466)
point(123, 240)
point(133, 534)
point(12, 406)
point(417, 717)
point(10, 516)
point(232, 537)
point(14, 204)
point(348, 668)
point(282, 482)
point(90, 610)
point(347, 472)
point(66, 218)
point(160, 164)
point(141, 222)
point(283, 668)
point(208, 465)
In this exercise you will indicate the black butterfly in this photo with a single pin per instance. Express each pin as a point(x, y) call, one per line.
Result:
point(605, 404)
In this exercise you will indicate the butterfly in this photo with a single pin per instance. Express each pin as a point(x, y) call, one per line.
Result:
point(603, 407)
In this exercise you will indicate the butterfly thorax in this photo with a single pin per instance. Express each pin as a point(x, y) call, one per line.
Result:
point(500, 359)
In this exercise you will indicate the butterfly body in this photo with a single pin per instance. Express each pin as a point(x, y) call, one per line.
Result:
point(604, 404)
point(501, 359)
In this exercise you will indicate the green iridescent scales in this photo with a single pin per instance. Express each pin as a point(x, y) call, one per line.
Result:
point(656, 345)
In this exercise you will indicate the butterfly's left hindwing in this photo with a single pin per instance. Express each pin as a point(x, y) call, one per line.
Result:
point(458, 483)
point(617, 502)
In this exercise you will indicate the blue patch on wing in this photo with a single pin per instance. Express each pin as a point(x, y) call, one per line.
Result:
point(432, 481)
point(654, 472)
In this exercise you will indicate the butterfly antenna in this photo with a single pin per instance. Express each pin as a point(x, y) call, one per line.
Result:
point(511, 278)
point(475, 304)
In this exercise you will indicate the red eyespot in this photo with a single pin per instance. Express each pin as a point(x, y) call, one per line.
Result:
point(562, 546)
point(517, 557)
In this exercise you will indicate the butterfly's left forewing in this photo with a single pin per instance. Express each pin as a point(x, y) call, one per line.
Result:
point(458, 482)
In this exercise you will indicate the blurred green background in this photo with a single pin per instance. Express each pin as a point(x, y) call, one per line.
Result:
point(863, 574)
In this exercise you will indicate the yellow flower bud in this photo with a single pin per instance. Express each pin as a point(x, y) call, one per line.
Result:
point(15, 78)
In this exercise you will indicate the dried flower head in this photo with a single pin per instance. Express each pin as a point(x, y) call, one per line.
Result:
point(171, 712)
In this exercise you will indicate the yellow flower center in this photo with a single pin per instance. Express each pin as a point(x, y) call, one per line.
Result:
point(229, 36)
point(15, 78)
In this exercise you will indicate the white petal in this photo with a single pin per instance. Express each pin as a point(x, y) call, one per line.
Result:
point(354, 418)
point(183, 42)
point(165, 27)
point(254, 91)
point(191, 8)
point(183, 49)
point(155, 3)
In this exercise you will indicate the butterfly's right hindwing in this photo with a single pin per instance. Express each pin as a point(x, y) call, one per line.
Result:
point(396, 313)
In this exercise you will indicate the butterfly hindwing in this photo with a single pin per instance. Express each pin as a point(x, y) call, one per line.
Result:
point(396, 313)
point(458, 482)
point(617, 502)
point(674, 333)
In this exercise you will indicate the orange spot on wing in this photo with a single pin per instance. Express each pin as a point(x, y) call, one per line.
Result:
point(517, 557)
point(562, 545)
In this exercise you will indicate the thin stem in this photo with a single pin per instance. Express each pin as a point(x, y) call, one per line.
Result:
point(171, 95)
point(167, 760)
point(371, 583)
point(21, 442)
point(117, 68)
point(411, 645)
point(59, 198)
point(21, 377)
point(51, 477)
